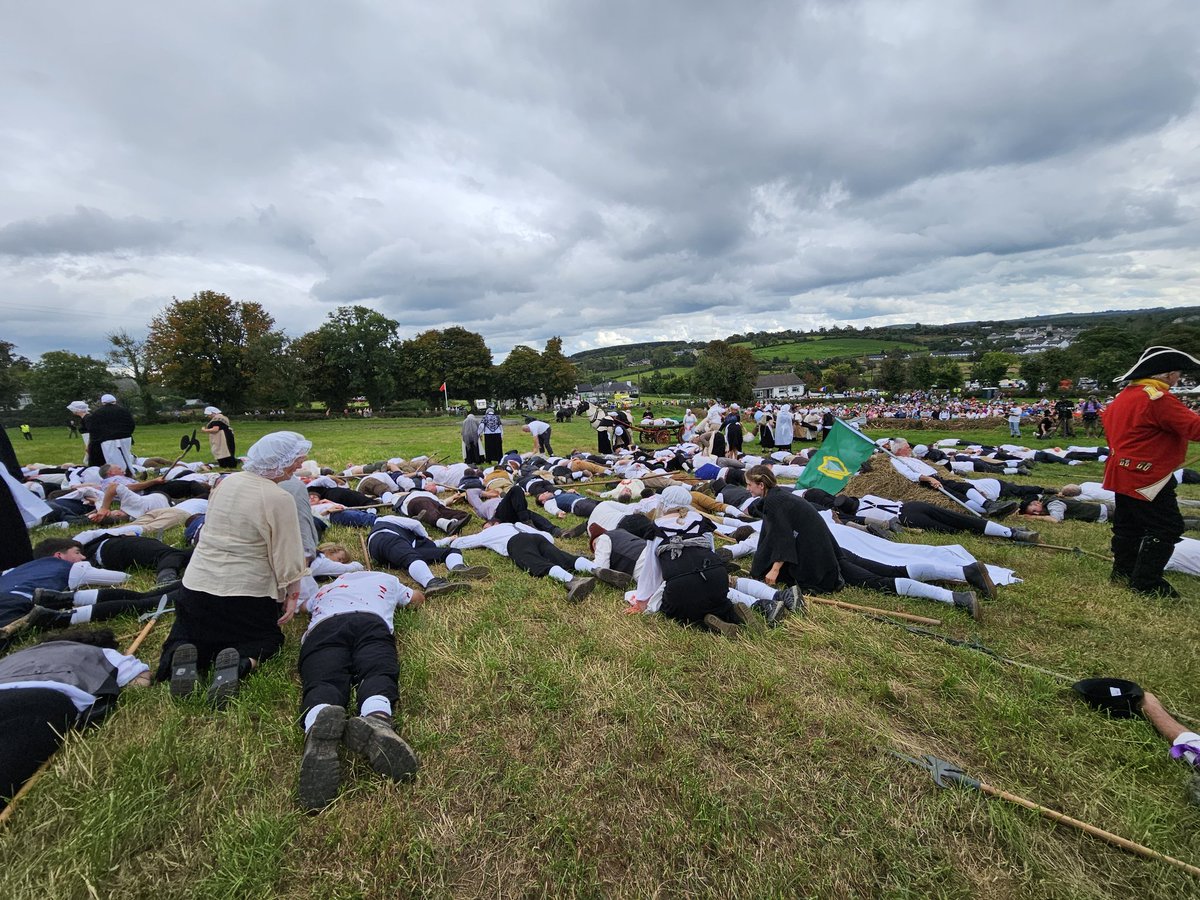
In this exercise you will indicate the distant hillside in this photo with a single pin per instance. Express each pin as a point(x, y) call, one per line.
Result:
point(832, 343)
point(827, 348)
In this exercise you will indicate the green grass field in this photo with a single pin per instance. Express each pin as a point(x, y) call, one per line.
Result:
point(828, 348)
point(579, 751)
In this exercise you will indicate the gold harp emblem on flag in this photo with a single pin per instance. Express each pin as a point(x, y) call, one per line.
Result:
point(833, 467)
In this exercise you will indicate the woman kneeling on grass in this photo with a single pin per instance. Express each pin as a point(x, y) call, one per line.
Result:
point(683, 577)
point(244, 577)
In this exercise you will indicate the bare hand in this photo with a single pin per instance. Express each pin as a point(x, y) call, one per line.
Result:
point(289, 608)
point(771, 577)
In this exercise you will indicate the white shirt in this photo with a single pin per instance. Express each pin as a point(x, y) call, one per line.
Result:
point(371, 592)
point(538, 427)
point(128, 668)
point(494, 537)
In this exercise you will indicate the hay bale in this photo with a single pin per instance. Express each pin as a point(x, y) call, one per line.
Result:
point(879, 478)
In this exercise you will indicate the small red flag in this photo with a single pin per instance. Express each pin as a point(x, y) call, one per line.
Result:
point(443, 387)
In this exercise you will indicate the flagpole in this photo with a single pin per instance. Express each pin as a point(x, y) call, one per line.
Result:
point(446, 393)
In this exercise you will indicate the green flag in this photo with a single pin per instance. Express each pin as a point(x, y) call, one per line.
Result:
point(837, 459)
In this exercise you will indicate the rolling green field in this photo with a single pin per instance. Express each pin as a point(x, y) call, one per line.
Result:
point(578, 751)
point(828, 348)
point(632, 373)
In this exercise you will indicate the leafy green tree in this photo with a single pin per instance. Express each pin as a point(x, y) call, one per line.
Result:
point(520, 375)
point(838, 377)
point(662, 357)
point(211, 347)
point(276, 385)
point(14, 370)
point(353, 353)
point(1058, 366)
point(893, 374)
point(921, 373)
point(1180, 336)
point(456, 356)
point(947, 375)
point(132, 357)
point(1104, 352)
point(559, 374)
point(60, 377)
point(725, 372)
point(1033, 371)
point(993, 367)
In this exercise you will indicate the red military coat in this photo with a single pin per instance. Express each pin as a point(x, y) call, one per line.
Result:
point(1148, 432)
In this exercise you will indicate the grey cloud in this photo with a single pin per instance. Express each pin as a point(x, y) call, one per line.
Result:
point(85, 231)
point(612, 167)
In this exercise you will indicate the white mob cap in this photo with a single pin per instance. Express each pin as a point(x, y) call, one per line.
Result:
point(271, 454)
point(676, 497)
point(77, 406)
point(211, 411)
point(108, 398)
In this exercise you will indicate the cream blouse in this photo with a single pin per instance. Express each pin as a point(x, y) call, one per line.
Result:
point(250, 545)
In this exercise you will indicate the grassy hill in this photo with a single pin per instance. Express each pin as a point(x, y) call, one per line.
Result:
point(575, 750)
point(828, 348)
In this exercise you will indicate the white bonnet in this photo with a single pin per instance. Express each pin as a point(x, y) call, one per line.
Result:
point(274, 452)
point(676, 497)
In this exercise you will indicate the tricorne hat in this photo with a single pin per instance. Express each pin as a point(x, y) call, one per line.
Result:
point(1155, 360)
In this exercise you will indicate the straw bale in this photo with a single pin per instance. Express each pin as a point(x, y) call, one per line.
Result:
point(879, 478)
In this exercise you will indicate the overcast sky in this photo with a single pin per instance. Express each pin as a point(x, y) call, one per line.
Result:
point(608, 171)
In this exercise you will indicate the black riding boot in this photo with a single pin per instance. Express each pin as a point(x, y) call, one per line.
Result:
point(1147, 577)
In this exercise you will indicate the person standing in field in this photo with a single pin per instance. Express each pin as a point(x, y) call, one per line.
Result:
point(110, 430)
point(1148, 432)
point(220, 438)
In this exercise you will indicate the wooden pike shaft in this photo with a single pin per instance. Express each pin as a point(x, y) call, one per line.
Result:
point(141, 636)
point(25, 789)
point(1107, 836)
point(854, 607)
point(362, 541)
point(1074, 550)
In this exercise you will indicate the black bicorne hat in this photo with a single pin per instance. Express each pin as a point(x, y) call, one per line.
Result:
point(1160, 359)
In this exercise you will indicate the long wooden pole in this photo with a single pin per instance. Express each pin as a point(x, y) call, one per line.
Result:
point(1074, 550)
point(854, 607)
point(1115, 839)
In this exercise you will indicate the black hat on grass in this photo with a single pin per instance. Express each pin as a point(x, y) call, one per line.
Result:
point(1120, 699)
point(1155, 360)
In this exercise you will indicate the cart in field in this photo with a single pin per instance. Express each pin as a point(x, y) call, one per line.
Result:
point(658, 434)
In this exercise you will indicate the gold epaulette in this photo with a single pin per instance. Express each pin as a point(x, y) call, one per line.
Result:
point(1153, 387)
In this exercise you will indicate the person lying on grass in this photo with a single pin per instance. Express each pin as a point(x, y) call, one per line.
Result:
point(350, 645)
point(49, 591)
point(69, 680)
point(533, 551)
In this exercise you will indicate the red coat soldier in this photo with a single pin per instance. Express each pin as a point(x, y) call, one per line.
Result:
point(1148, 432)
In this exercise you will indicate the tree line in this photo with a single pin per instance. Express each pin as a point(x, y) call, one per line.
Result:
point(230, 354)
